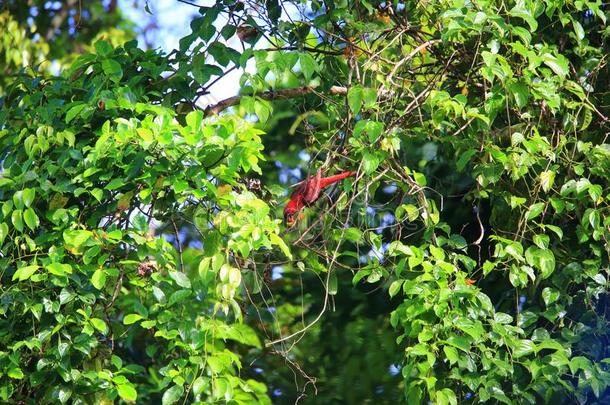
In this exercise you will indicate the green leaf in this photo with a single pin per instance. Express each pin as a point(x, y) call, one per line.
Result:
point(127, 392)
point(520, 92)
point(465, 159)
point(76, 238)
point(113, 69)
point(180, 278)
point(28, 196)
point(411, 211)
point(278, 241)
point(246, 335)
point(354, 99)
point(103, 48)
point(274, 11)
point(172, 395)
point(3, 232)
point(360, 274)
point(17, 219)
point(24, 273)
point(523, 348)
point(580, 32)
point(200, 384)
point(7, 208)
point(64, 394)
point(520, 11)
point(263, 110)
point(228, 31)
point(547, 263)
point(582, 185)
point(369, 97)
point(594, 218)
point(373, 129)
point(557, 230)
point(114, 236)
point(116, 361)
point(547, 178)
point(353, 234)
point(558, 64)
point(420, 179)
point(395, 287)
point(534, 210)
point(131, 318)
point(200, 70)
point(461, 342)
point(542, 241)
point(74, 111)
point(580, 363)
point(595, 192)
point(98, 194)
point(31, 219)
point(451, 353)
point(15, 373)
point(543, 259)
point(5, 181)
point(194, 119)
point(59, 269)
point(99, 324)
point(308, 65)
point(98, 279)
point(180, 186)
point(371, 161)
point(222, 54)
point(550, 295)
point(115, 184)
point(446, 397)
point(498, 394)
point(374, 277)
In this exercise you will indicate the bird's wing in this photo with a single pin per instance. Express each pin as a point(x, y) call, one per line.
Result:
point(312, 188)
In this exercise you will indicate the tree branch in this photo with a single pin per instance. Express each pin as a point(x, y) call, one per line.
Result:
point(189, 3)
point(269, 95)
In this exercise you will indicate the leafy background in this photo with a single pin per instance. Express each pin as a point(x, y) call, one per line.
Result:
point(142, 254)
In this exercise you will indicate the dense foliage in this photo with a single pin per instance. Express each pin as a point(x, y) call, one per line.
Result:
point(143, 257)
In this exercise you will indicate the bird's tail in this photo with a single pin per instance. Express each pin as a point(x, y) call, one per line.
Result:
point(327, 181)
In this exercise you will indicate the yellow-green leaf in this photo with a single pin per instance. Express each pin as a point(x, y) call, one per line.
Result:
point(131, 318)
point(3, 232)
point(17, 219)
point(547, 178)
point(276, 240)
point(31, 219)
point(127, 392)
point(99, 279)
point(24, 273)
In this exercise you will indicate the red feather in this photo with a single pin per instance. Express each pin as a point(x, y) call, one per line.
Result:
point(308, 192)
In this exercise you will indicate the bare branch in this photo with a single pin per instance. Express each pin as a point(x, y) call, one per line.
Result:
point(269, 95)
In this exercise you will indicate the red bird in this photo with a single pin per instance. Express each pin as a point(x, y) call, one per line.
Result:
point(308, 191)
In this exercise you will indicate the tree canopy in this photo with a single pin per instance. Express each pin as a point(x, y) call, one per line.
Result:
point(143, 256)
